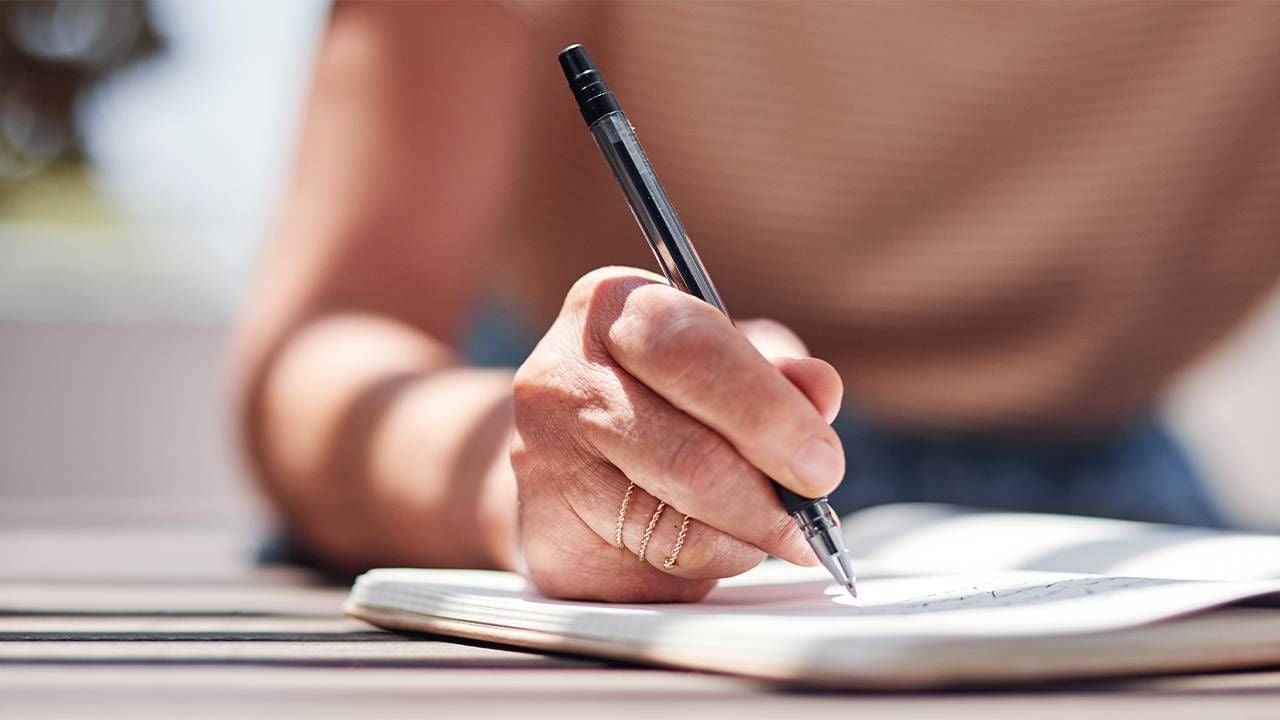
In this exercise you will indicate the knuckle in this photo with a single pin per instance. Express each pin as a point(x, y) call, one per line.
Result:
point(531, 389)
point(538, 372)
point(690, 330)
point(526, 382)
point(605, 420)
point(605, 287)
point(675, 335)
point(528, 460)
point(596, 302)
point(547, 381)
point(518, 453)
point(584, 288)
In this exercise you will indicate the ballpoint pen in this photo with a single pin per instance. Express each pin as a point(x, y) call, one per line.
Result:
point(680, 264)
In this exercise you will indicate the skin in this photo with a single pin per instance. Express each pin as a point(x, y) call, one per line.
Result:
point(379, 448)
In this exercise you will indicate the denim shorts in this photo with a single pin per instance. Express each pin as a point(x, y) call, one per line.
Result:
point(1138, 472)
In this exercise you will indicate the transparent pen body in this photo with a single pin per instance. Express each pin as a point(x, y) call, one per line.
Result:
point(670, 243)
point(652, 209)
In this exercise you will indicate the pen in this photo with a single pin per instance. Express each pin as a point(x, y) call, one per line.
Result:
point(666, 235)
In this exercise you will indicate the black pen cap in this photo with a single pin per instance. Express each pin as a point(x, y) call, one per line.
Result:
point(595, 99)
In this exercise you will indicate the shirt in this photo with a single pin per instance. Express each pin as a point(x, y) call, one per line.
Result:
point(991, 216)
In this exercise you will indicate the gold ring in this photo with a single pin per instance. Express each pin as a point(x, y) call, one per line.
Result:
point(648, 532)
point(671, 559)
point(670, 562)
point(622, 515)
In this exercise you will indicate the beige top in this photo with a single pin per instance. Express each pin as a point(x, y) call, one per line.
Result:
point(985, 216)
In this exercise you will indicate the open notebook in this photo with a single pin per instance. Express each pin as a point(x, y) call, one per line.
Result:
point(947, 598)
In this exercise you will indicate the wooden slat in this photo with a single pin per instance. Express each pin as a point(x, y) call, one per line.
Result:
point(375, 650)
point(78, 627)
point(166, 621)
point(532, 694)
point(189, 598)
point(580, 682)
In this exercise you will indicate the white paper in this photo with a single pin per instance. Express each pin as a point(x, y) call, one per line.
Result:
point(792, 623)
point(940, 538)
point(788, 605)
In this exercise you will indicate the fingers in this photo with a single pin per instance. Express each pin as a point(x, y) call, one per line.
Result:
point(693, 357)
point(704, 552)
point(691, 467)
point(817, 380)
point(772, 338)
point(567, 559)
point(638, 382)
point(597, 495)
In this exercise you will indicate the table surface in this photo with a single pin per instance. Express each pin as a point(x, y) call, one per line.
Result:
point(156, 618)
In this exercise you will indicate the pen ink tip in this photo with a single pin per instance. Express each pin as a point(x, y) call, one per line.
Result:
point(853, 589)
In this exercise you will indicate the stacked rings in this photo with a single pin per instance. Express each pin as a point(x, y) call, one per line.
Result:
point(671, 559)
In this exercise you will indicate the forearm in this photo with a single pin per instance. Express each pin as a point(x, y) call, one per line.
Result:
point(378, 449)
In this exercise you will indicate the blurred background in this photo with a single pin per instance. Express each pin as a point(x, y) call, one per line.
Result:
point(143, 148)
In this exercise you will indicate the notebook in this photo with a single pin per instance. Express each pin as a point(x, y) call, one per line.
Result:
point(948, 597)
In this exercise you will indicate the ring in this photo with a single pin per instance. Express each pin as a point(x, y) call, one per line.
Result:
point(648, 532)
point(670, 562)
point(671, 559)
point(622, 515)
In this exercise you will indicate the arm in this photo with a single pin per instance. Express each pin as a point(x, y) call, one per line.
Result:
point(375, 446)
point(379, 449)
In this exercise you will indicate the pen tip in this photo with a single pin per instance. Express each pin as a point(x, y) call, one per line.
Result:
point(853, 589)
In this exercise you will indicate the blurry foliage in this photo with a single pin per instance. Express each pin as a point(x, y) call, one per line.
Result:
point(51, 51)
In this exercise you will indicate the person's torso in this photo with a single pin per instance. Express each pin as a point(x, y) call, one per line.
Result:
point(985, 216)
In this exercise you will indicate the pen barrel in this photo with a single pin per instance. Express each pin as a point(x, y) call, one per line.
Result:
point(652, 208)
point(680, 263)
point(661, 226)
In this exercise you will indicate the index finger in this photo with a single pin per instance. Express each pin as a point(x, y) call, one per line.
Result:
point(690, 354)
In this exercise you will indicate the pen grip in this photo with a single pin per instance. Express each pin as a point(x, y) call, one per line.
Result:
point(791, 501)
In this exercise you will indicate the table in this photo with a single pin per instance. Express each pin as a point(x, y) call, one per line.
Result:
point(158, 618)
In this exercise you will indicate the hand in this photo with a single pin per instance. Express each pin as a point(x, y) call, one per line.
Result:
point(636, 382)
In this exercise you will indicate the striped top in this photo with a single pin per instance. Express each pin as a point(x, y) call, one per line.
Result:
point(989, 216)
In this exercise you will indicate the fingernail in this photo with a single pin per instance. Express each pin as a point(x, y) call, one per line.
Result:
point(818, 464)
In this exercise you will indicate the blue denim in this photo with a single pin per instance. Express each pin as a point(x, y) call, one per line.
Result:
point(1139, 472)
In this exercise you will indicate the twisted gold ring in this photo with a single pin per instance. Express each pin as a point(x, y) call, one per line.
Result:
point(671, 559)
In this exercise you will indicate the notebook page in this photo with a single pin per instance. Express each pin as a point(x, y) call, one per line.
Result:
point(927, 538)
point(784, 609)
point(793, 624)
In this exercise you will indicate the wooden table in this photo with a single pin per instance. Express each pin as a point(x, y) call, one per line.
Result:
point(171, 619)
